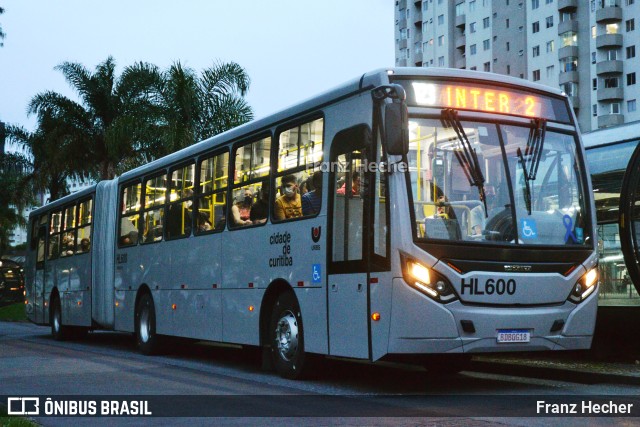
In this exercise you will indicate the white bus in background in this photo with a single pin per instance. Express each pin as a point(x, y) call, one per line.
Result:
point(454, 215)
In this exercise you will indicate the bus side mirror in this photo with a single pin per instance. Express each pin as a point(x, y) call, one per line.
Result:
point(396, 128)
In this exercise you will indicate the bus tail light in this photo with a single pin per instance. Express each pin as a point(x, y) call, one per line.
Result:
point(585, 286)
point(426, 280)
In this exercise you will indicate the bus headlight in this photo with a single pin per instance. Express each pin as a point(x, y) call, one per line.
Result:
point(426, 281)
point(585, 286)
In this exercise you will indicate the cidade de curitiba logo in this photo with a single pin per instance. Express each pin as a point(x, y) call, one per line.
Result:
point(76, 407)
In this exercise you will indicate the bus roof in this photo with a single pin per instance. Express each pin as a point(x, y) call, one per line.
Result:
point(63, 200)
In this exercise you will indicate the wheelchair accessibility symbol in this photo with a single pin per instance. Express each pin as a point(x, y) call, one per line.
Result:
point(316, 276)
point(528, 229)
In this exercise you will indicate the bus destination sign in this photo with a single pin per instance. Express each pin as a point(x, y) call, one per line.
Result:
point(485, 98)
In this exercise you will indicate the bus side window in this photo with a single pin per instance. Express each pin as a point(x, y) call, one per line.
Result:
point(212, 194)
point(251, 170)
point(155, 194)
point(84, 226)
point(180, 208)
point(131, 198)
point(299, 153)
point(55, 226)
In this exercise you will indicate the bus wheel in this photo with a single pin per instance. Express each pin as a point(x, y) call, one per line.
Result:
point(147, 340)
point(286, 337)
point(58, 330)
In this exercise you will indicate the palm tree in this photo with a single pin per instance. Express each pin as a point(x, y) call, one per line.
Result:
point(198, 107)
point(114, 121)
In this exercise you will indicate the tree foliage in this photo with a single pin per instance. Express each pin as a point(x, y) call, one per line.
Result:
point(15, 194)
point(2, 34)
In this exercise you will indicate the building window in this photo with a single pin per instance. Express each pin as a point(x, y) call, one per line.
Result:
point(631, 51)
point(612, 28)
point(473, 68)
point(571, 88)
point(593, 32)
point(520, 28)
point(408, 14)
point(535, 4)
point(631, 79)
point(535, 27)
point(568, 64)
point(508, 46)
point(629, 2)
point(611, 82)
point(486, 44)
point(536, 75)
point(631, 106)
point(425, 27)
point(630, 24)
point(460, 9)
point(593, 57)
point(506, 22)
point(487, 66)
point(549, 21)
point(594, 84)
point(612, 54)
point(472, 5)
point(536, 51)
point(550, 71)
point(615, 108)
point(425, 6)
point(593, 6)
point(440, 19)
point(485, 22)
point(441, 61)
point(594, 110)
point(441, 41)
point(548, 1)
point(508, 69)
point(550, 46)
point(472, 49)
point(569, 38)
point(472, 27)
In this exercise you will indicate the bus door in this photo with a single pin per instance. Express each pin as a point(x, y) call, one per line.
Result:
point(38, 245)
point(355, 206)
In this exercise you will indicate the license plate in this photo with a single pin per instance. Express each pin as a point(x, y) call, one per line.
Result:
point(514, 335)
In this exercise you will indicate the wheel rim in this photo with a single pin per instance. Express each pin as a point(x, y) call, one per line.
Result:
point(56, 318)
point(287, 336)
point(145, 324)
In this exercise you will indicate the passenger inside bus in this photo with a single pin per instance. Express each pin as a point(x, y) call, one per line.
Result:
point(241, 210)
point(203, 222)
point(260, 209)
point(355, 185)
point(288, 205)
point(85, 245)
point(311, 201)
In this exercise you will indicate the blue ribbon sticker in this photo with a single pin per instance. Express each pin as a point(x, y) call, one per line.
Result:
point(568, 225)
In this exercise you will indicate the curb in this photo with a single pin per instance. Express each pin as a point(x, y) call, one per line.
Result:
point(559, 374)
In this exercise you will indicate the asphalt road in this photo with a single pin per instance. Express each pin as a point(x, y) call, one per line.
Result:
point(345, 393)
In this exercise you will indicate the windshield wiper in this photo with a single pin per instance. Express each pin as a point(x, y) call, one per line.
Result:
point(530, 161)
point(466, 154)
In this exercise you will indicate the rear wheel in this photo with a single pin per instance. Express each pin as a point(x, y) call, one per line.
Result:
point(58, 330)
point(146, 338)
point(286, 336)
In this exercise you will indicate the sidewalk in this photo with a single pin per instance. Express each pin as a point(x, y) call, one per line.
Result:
point(580, 367)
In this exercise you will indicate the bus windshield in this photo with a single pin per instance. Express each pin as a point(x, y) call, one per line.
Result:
point(496, 184)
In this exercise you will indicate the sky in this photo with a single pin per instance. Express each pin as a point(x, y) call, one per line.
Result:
point(291, 49)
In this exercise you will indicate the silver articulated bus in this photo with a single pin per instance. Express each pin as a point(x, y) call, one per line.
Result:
point(422, 214)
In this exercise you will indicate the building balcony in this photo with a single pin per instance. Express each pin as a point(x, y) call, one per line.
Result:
point(417, 18)
point(402, 4)
point(461, 63)
point(608, 14)
point(461, 20)
point(417, 57)
point(608, 40)
point(609, 120)
point(403, 44)
point(570, 25)
point(609, 67)
point(567, 52)
point(568, 77)
point(402, 63)
point(461, 42)
point(610, 94)
point(575, 102)
point(567, 5)
point(417, 3)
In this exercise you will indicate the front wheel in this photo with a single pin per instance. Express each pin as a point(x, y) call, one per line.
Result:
point(146, 338)
point(286, 336)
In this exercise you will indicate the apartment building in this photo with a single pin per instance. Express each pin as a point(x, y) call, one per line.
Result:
point(585, 47)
